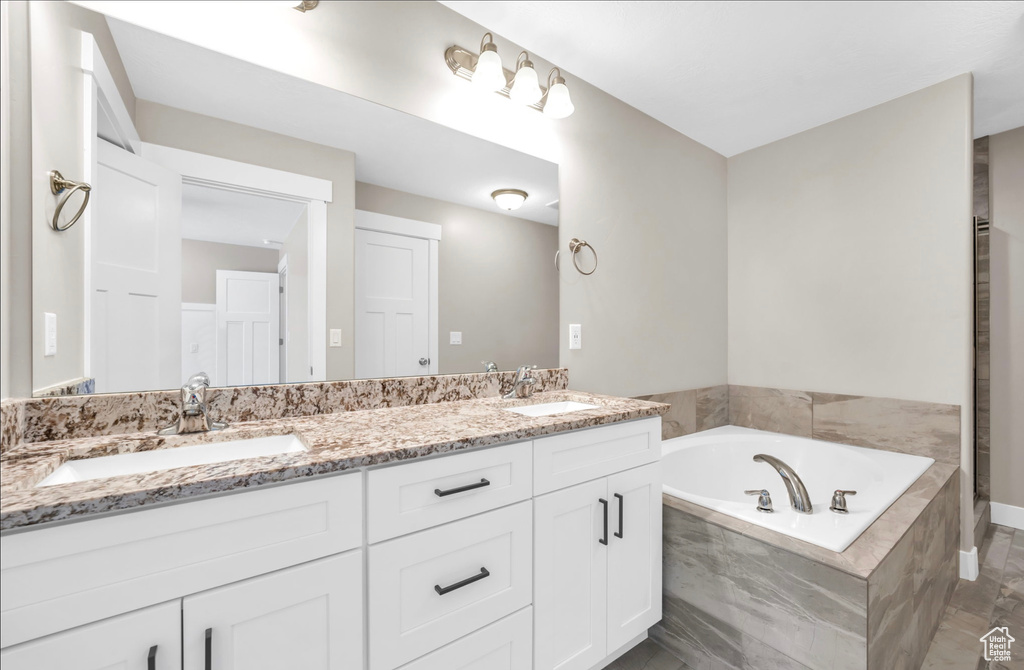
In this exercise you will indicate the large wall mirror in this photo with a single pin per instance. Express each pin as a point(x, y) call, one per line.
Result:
point(265, 229)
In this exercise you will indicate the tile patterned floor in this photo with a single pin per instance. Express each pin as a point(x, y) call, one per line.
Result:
point(995, 599)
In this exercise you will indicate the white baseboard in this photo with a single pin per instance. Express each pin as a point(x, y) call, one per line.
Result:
point(1008, 515)
point(969, 564)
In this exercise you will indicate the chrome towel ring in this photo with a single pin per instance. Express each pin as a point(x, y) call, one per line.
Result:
point(58, 184)
point(575, 246)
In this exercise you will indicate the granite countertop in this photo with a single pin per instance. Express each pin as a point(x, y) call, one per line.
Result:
point(336, 442)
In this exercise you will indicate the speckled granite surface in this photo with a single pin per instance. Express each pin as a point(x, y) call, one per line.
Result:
point(12, 424)
point(336, 442)
point(72, 417)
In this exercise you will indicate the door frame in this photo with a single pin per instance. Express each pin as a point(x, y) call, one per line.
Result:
point(431, 232)
point(225, 174)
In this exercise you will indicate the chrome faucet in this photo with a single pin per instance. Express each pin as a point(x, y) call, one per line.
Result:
point(798, 497)
point(524, 383)
point(194, 417)
point(489, 366)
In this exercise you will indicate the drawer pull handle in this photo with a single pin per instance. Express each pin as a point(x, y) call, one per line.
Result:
point(604, 503)
point(622, 505)
point(151, 659)
point(209, 649)
point(468, 487)
point(441, 590)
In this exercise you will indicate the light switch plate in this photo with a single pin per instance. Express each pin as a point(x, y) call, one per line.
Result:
point(335, 337)
point(50, 334)
point(454, 337)
point(193, 347)
point(575, 336)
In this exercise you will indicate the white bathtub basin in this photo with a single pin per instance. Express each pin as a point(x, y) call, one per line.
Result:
point(166, 459)
point(550, 408)
point(713, 469)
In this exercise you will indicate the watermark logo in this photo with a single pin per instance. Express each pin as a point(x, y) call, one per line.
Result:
point(997, 644)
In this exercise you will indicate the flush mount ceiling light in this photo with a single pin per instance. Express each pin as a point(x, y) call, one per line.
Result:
point(486, 73)
point(509, 199)
point(303, 6)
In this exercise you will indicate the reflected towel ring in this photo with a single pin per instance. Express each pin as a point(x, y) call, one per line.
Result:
point(575, 246)
point(58, 184)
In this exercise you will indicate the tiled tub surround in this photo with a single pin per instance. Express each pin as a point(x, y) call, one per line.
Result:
point(693, 410)
point(72, 417)
point(336, 442)
point(738, 595)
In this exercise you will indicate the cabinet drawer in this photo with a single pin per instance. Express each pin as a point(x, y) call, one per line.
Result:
point(56, 578)
point(489, 555)
point(407, 498)
point(580, 456)
point(504, 645)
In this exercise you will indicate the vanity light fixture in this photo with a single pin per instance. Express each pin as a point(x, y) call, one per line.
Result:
point(488, 75)
point(525, 87)
point(522, 86)
point(509, 199)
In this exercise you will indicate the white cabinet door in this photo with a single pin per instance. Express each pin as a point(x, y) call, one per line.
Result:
point(634, 553)
point(309, 617)
point(147, 639)
point(570, 573)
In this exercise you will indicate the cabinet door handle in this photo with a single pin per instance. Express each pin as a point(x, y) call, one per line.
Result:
point(209, 649)
point(441, 590)
point(151, 659)
point(468, 487)
point(622, 506)
point(604, 503)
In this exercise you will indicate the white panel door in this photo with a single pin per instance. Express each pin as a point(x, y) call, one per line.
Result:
point(309, 617)
point(634, 553)
point(135, 282)
point(570, 578)
point(248, 327)
point(148, 638)
point(392, 305)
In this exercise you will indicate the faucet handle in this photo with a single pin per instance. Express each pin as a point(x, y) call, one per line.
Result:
point(764, 500)
point(839, 501)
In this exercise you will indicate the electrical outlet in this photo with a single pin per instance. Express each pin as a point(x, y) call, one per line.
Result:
point(575, 336)
point(335, 337)
point(50, 334)
point(455, 337)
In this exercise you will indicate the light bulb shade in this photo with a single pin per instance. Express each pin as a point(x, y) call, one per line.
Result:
point(509, 199)
point(488, 74)
point(558, 105)
point(525, 87)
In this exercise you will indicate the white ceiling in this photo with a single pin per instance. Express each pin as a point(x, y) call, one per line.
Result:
point(230, 217)
point(737, 75)
point(393, 149)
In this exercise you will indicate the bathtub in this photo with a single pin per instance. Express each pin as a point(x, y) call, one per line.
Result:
point(714, 467)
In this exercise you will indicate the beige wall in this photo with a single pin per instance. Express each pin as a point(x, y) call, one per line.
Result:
point(652, 201)
point(850, 258)
point(201, 260)
point(296, 247)
point(58, 142)
point(5, 202)
point(203, 134)
point(1006, 173)
point(497, 282)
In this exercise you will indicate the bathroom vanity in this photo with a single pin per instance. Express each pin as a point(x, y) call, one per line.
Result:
point(535, 543)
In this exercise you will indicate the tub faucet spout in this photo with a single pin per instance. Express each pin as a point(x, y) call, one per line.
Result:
point(798, 497)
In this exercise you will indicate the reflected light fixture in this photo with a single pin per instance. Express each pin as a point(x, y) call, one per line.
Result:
point(525, 87)
point(302, 6)
point(558, 104)
point(509, 199)
point(488, 75)
point(522, 86)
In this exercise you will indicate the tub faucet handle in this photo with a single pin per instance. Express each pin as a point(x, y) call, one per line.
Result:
point(764, 500)
point(839, 501)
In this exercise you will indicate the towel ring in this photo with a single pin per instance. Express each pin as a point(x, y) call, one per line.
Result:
point(575, 246)
point(58, 184)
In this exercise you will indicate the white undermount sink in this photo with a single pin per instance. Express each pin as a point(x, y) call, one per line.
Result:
point(550, 408)
point(166, 459)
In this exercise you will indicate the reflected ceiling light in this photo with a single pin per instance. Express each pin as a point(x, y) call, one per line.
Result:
point(522, 86)
point(302, 6)
point(557, 105)
point(488, 75)
point(525, 87)
point(273, 243)
point(509, 199)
